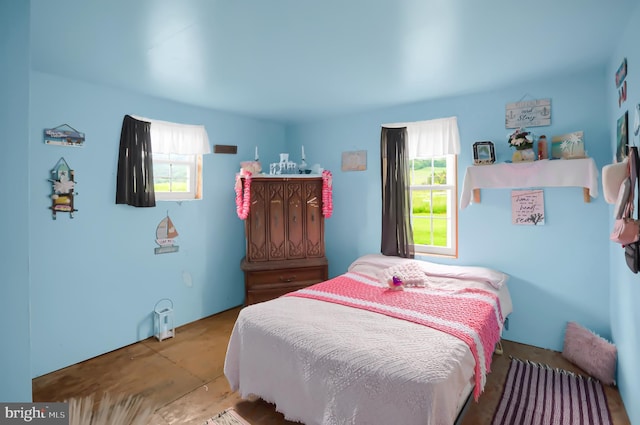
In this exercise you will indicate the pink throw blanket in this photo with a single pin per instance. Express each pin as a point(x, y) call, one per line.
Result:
point(472, 315)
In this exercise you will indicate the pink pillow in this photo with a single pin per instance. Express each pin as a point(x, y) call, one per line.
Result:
point(590, 352)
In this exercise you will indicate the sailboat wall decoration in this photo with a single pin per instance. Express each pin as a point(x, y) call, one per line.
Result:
point(165, 234)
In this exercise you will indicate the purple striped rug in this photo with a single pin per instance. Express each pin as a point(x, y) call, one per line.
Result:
point(536, 394)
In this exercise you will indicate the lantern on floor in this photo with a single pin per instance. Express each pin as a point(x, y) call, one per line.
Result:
point(163, 319)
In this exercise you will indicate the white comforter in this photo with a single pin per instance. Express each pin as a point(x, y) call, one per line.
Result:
point(323, 363)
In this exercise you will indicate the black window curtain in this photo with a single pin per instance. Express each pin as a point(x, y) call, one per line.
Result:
point(135, 165)
point(397, 235)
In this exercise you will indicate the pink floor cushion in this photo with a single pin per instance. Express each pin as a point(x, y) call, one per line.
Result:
point(590, 352)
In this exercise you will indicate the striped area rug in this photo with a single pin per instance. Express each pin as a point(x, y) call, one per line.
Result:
point(537, 394)
point(227, 417)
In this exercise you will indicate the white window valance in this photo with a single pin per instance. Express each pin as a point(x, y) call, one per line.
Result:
point(431, 138)
point(183, 139)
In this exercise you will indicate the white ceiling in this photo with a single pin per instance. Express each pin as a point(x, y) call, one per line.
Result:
point(296, 60)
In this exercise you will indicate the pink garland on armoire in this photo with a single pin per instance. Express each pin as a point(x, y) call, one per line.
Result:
point(327, 194)
point(243, 200)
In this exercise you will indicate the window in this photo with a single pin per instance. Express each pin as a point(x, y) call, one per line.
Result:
point(430, 227)
point(177, 151)
point(177, 177)
point(434, 205)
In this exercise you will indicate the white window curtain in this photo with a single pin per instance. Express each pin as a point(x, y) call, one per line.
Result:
point(431, 138)
point(182, 139)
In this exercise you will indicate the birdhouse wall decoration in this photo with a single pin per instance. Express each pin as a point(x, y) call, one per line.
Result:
point(63, 186)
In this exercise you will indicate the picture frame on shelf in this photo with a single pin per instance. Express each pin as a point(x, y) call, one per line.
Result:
point(484, 153)
point(568, 146)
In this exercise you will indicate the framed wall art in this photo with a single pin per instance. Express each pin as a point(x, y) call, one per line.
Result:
point(621, 73)
point(621, 82)
point(483, 153)
point(622, 137)
point(568, 146)
point(354, 161)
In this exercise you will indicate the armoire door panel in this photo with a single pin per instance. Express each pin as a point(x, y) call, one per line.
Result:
point(314, 223)
point(256, 225)
point(295, 221)
point(277, 221)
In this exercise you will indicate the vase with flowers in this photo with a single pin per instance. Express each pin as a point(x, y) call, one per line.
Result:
point(520, 139)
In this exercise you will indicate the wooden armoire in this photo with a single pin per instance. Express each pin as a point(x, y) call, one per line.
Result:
point(284, 236)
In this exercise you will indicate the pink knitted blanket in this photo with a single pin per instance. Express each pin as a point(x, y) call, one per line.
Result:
point(472, 315)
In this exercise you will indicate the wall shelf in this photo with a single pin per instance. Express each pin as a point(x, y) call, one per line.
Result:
point(544, 173)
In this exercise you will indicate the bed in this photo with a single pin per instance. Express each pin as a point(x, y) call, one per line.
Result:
point(325, 357)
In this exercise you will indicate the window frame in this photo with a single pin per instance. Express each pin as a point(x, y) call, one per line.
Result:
point(194, 164)
point(451, 250)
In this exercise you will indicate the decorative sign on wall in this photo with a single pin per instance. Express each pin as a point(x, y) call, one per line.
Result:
point(529, 113)
point(354, 161)
point(165, 234)
point(63, 135)
point(63, 189)
point(622, 137)
point(527, 207)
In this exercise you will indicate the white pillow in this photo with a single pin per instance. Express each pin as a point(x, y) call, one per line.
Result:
point(373, 264)
point(482, 274)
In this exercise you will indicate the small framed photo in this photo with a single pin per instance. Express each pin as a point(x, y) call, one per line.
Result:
point(568, 146)
point(483, 153)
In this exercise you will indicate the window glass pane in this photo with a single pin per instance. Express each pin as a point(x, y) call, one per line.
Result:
point(160, 156)
point(433, 214)
point(422, 232)
point(429, 217)
point(440, 200)
point(161, 176)
point(180, 178)
point(421, 172)
point(439, 171)
point(421, 202)
point(440, 231)
point(169, 177)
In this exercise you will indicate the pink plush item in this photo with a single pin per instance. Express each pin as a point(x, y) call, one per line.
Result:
point(253, 166)
point(590, 352)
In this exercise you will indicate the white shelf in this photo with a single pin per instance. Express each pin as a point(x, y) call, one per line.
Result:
point(545, 173)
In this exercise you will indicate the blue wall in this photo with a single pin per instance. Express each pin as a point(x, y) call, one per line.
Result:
point(625, 286)
point(95, 278)
point(15, 369)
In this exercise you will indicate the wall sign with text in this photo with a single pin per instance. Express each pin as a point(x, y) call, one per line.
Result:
point(531, 113)
point(527, 207)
